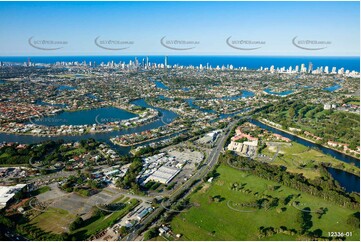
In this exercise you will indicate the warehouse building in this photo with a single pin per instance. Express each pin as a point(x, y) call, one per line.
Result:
point(7, 194)
point(163, 175)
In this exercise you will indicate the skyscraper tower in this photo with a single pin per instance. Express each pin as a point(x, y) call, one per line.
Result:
point(165, 61)
point(310, 66)
point(147, 61)
point(326, 69)
point(136, 62)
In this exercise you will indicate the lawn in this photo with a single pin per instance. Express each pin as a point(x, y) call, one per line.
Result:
point(77, 151)
point(118, 199)
point(54, 220)
point(103, 222)
point(40, 190)
point(5, 155)
point(209, 220)
point(301, 159)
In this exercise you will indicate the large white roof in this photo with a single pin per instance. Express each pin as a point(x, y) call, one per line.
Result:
point(7, 192)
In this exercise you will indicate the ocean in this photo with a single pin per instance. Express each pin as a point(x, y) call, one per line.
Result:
point(251, 62)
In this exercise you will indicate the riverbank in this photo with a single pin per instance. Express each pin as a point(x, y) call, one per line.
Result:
point(38, 130)
point(347, 164)
point(307, 139)
point(144, 141)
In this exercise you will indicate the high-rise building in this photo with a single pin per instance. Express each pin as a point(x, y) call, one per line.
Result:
point(341, 71)
point(334, 69)
point(165, 61)
point(326, 69)
point(296, 69)
point(310, 67)
point(272, 69)
point(147, 61)
point(136, 62)
point(303, 68)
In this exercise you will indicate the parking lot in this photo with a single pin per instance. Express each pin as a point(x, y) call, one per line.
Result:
point(192, 157)
point(75, 203)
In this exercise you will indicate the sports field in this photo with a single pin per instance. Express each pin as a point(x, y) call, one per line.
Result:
point(54, 220)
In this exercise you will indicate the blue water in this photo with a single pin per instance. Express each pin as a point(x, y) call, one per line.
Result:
point(2, 82)
point(166, 115)
point(284, 93)
point(161, 85)
point(245, 94)
point(251, 62)
point(42, 103)
point(99, 115)
point(191, 104)
point(68, 88)
point(333, 88)
point(347, 180)
point(92, 96)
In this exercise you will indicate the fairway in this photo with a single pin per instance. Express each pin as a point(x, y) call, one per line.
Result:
point(214, 220)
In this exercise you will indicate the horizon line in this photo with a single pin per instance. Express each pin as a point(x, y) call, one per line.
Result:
point(204, 55)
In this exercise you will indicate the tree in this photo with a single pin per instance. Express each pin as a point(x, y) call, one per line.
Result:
point(354, 220)
point(304, 218)
point(123, 230)
point(77, 223)
point(150, 234)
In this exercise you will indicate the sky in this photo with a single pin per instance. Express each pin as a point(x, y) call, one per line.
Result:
point(180, 28)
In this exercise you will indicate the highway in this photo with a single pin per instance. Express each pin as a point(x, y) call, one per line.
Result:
point(211, 161)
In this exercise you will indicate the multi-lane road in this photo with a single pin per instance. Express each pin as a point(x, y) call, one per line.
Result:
point(209, 164)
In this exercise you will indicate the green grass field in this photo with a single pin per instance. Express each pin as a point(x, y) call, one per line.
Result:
point(208, 220)
point(118, 199)
point(77, 151)
point(301, 159)
point(103, 222)
point(54, 220)
point(40, 190)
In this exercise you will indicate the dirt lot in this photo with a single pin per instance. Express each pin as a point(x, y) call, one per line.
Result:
point(74, 203)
